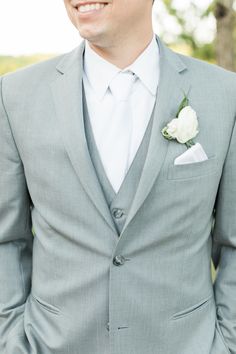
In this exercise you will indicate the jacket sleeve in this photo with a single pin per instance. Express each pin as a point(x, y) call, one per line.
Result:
point(15, 238)
point(224, 236)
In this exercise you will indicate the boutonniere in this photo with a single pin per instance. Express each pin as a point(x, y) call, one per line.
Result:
point(184, 127)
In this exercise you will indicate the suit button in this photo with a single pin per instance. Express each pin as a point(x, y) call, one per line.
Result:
point(118, 260)
point(117, 213)
point(108, 326)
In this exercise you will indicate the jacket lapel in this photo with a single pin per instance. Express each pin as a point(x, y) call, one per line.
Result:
point(172, 85)
point(67, 95)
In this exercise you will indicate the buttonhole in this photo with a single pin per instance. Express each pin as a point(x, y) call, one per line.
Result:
point(123, 327)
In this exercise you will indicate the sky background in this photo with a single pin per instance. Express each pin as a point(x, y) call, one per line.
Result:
point(42, 26)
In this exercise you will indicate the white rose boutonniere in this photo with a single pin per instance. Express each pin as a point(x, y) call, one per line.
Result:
point(183, 128)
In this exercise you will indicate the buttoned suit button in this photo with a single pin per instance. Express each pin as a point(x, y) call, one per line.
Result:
point(117, 213)
point(118, 260)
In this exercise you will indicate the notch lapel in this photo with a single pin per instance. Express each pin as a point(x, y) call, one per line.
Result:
point(172, 85)
point(67, 95)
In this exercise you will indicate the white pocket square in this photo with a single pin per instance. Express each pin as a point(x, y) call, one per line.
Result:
point(195, 154)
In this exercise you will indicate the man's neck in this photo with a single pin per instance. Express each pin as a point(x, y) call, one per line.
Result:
point(125, 54)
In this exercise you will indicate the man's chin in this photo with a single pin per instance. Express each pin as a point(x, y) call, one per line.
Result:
point(95, 39)
point(87, 34)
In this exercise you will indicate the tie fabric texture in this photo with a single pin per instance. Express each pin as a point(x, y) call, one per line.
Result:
point(118, 137)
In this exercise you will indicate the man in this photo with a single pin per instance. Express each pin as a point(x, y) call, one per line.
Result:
point(120, 260)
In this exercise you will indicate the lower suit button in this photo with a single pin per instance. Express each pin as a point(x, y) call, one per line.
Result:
point(118, 260)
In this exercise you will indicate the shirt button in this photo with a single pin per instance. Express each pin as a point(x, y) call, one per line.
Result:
point(118, 260)
point(117, 213)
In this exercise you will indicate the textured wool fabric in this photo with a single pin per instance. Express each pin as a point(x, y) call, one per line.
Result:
point(80, 287)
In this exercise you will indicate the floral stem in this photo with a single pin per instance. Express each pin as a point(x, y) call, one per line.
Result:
point(189, 144)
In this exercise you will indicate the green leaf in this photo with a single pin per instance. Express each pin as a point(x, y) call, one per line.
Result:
point(189, 143)
point(184, 103)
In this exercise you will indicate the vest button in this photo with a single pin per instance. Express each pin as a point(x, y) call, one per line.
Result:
point(118, 260)
point(117, 213)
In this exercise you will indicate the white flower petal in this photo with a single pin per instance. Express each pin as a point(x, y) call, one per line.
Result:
point(172, 127)
point(187, 125)
point(187, 111)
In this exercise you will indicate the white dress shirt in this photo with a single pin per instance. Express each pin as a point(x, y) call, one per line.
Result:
point(97, 75)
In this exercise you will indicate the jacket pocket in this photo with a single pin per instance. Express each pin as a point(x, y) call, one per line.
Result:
point(46, 306)
point(192, 309)
point(193, 170)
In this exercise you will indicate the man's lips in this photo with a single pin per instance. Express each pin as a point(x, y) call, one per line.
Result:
point(83, 3)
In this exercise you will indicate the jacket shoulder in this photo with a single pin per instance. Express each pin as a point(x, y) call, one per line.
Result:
point(35, 74)
point(32, 70)
point(209, 73)
point(25, 83)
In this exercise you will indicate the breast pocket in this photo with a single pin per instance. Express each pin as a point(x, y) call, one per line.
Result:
point(193, 170)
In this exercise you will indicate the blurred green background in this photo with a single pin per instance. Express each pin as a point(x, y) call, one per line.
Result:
point(11, 63)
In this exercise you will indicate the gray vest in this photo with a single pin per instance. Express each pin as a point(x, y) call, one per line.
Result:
point(119, 203)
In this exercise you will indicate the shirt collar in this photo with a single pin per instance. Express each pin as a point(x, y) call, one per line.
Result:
point(146, 66)
point(100, 72)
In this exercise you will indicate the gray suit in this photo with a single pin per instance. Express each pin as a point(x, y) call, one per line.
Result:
point(125, 275)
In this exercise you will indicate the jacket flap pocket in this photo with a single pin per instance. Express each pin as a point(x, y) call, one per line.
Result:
point(192, 309)
point(45, 305)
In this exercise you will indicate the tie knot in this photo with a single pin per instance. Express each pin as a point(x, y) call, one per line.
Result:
point(121, 85)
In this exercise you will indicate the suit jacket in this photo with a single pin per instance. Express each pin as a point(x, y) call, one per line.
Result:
point(75, 287)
